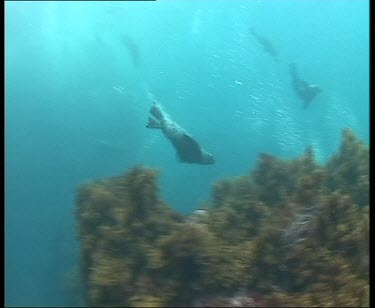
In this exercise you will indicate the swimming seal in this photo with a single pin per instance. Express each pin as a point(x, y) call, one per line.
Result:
point(187, 148)
point(266, 43)
point(307, 92)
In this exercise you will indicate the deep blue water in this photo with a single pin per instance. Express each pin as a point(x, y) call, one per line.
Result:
point(77, 104)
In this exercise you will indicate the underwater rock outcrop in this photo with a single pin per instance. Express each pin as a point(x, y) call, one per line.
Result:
point(120, 219)
point(290, 233)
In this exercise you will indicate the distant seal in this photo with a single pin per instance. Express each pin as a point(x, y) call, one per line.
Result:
point(187, 148)
point(266, 43)
point(133, 48)
point(307, 92)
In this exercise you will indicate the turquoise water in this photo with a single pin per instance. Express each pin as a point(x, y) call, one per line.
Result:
point(77, 100)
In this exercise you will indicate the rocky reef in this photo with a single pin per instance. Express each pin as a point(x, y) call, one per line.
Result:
point(290, 233)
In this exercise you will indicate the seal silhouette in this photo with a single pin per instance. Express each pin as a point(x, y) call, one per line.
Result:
point(307, 92)
point(187, 148)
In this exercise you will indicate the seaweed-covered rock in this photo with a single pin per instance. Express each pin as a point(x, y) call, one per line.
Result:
point(290, 233)
point(349, 169)
point(120, 220)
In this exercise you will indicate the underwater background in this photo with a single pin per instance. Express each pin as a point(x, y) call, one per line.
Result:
point(77, 100)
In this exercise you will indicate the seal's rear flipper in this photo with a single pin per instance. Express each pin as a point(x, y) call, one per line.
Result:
point(293, 69)
point(252, 31)
point(156, 112)
point(305, 104)
point(152, 123)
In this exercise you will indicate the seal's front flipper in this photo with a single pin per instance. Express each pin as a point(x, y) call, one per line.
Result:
point(152, 123)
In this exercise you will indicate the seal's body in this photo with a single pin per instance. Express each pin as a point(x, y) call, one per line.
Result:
point(187, 148)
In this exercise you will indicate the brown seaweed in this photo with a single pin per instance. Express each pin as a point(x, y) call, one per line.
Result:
point(290, 233)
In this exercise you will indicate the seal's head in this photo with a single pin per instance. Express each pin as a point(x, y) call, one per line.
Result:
point(311, 91)
point(315, 88)
point(207, 159)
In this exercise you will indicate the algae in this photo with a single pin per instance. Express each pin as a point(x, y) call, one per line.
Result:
point(290, 233)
